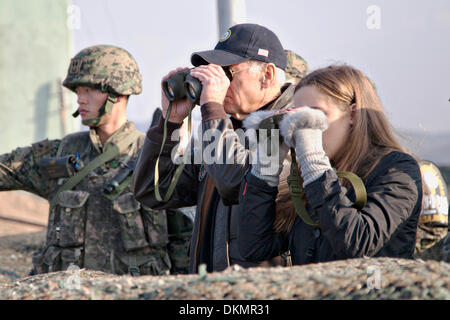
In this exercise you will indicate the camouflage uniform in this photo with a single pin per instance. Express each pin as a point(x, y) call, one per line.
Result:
point(87, 226)
point(433, 222)
point(297, 67)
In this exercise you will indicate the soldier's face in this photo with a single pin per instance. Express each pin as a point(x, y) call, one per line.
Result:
point(90, 101)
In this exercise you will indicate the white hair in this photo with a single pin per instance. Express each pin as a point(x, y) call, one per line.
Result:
point(257, 66)
point(280, 76)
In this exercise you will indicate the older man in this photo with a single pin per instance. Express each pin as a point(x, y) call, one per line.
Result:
point(255, 59)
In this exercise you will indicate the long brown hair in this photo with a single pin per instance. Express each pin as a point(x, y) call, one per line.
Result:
point(370, 138)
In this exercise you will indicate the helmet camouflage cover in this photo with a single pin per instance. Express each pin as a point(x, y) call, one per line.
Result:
point(297, 67)
point(108, 68)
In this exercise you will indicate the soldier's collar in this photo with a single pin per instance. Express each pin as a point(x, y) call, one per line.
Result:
point(123, 131)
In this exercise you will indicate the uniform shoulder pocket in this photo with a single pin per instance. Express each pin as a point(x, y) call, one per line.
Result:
point(41, 148)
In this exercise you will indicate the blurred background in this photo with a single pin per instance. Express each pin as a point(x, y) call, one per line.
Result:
point(402, 45)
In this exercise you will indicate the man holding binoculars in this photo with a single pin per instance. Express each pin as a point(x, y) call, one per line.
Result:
point(244, 73)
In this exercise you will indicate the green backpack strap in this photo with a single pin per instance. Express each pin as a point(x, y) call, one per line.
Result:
point(112, 152)
point(296, 190)
point(179, 170)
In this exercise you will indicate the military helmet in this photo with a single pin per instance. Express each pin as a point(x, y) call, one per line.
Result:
point(296, 68)
point(109, 68)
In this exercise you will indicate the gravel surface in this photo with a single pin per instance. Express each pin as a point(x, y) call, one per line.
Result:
point(349, 279)
point(367, 278)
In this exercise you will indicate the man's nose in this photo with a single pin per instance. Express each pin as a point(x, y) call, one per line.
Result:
point(81, 99)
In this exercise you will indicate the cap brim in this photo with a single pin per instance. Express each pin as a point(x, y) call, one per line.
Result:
point(219, 57)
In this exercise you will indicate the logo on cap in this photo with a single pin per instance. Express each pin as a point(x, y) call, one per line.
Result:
point(225, 36)
point(263, 52)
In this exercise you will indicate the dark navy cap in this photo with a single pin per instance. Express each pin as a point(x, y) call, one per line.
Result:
point(243, 42)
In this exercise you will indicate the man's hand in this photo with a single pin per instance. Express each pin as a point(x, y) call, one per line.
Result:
point(214, 81)
point(180, 108)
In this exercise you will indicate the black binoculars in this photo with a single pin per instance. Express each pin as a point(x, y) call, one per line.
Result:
point(182, 84)
point(113, 184)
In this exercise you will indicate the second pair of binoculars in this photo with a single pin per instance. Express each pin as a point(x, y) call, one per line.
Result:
point(181, 85)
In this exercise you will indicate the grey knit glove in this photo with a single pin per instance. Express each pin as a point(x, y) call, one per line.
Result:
point(266, 156)
point(302, 129)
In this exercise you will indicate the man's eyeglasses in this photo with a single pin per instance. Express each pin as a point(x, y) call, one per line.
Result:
point(230, 73)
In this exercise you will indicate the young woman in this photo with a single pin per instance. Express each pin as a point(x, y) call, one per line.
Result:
point(344, 128)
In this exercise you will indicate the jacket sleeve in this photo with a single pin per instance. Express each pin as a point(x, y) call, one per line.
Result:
point(393, 193)
point(225, 155)
point(19, 170)
point(185, 193)
point(256, 237)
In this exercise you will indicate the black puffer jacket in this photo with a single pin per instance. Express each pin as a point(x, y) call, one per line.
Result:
point(386, 226)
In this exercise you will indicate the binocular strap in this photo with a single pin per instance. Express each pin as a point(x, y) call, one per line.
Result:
point(179, 170)
point(297, 192)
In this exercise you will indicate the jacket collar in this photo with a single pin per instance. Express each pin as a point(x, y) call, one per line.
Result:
point(123, 131)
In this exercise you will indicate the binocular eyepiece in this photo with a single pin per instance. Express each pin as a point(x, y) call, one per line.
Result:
point(182, 85)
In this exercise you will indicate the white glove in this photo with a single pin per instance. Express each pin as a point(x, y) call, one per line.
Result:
point(266, 157)
point(302, 129)
point(268, 168)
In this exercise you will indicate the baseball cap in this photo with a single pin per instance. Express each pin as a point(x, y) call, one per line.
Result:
point(243, 42)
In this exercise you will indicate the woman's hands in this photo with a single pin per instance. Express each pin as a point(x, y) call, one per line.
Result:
point(302, 129)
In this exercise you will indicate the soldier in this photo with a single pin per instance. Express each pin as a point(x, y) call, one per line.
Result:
point(433, 221)
point(94, 220)
point(296, 68)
